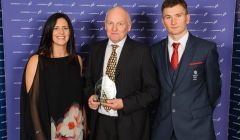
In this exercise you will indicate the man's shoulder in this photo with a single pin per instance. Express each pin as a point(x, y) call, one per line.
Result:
point(159, 44)
point(97, 44)
point(201, 41)
point(134, 44)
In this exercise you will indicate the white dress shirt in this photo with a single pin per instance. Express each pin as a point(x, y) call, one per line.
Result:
point(109, 51)
point(181, 48)
point(107, 56)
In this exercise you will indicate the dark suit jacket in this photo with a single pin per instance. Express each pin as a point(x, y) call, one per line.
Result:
point(136, 83)
point(186, 105)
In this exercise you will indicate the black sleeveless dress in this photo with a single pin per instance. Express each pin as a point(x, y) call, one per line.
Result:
point(53, 107)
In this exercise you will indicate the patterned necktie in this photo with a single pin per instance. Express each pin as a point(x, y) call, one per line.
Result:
point(174, 58)
point(112, 62)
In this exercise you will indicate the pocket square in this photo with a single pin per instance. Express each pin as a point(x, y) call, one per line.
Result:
point(196, 63)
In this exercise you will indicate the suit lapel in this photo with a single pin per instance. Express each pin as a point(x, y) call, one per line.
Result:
point(164, 63)
point(185, 61)
point(125, 53)
point(101, 55)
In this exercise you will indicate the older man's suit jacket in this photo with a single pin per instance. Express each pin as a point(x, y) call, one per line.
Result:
point(136, 83)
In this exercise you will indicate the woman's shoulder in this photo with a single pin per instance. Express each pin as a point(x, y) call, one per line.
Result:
point(34, 58)
point(31, 70)
point(80, 61)
point(33, 61)
point(79, 57)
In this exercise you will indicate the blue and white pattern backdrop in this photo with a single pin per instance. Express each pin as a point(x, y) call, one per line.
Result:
point(3, 123)
point(24, 19)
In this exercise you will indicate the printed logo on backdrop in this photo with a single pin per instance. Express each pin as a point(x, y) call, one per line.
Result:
point(212, 20)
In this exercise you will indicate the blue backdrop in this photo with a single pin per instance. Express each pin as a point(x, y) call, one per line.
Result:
point(23, 22)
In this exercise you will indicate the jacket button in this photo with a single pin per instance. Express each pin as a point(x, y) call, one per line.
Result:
point(174, 94)
point(173, 110)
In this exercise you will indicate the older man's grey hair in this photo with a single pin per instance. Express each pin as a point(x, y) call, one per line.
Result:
point(122, 8)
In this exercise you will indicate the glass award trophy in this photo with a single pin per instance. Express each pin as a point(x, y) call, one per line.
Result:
point(98, 89)
point(105, 89)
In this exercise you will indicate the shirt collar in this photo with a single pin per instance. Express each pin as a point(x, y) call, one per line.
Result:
point(120, 43)
point(182, 41)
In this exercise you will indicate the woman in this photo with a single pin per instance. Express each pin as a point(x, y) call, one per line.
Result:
point(51, 95)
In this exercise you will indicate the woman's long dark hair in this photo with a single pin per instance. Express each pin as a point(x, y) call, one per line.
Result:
point(45, 47)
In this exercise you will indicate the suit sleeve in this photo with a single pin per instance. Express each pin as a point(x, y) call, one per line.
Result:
point(149, 89)
point(213, 76)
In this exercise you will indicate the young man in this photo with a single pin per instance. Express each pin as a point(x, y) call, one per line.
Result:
point(125, 116)
point(189, 78)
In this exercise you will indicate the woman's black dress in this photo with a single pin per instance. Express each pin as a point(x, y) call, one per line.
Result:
point(53, 107)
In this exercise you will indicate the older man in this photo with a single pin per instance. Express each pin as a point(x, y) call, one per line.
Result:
point(125, 116)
